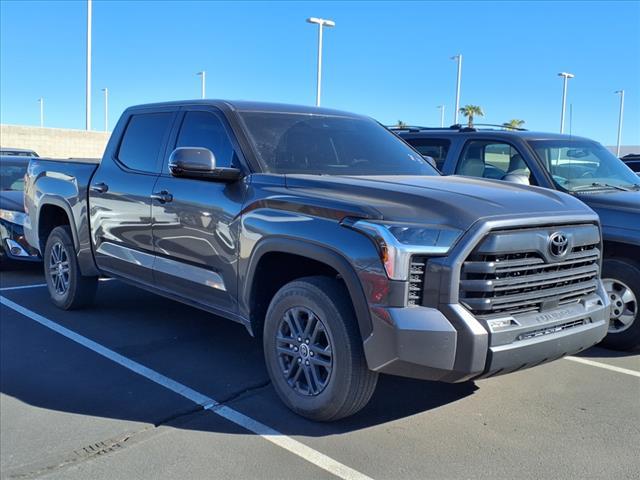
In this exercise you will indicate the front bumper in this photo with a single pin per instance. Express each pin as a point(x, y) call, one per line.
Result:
point(451, 345)
point(13, 245)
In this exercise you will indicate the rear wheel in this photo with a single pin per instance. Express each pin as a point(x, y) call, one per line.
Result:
point(313, 350)
point(621, 280)
point(68, 289)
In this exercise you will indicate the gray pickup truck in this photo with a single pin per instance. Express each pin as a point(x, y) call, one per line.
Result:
point(328, 237)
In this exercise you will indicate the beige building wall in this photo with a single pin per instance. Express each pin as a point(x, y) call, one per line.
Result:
point(54, 142)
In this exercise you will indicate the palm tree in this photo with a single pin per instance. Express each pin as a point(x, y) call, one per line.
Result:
point(470, 111)
point(401, 124)
point(514, 124)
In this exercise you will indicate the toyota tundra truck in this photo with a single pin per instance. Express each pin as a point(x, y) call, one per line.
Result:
point(330, 239)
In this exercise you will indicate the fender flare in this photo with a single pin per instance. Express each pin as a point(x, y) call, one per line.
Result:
point(57, 202)
point(319, 253)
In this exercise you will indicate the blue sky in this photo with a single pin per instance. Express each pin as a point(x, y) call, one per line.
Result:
point(389, 60)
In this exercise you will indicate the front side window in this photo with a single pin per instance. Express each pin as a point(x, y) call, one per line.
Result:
point(579, 165)
point(436, 148)
point(204, 129)
point(143, 139)
point(490, 159)
point(329, 145)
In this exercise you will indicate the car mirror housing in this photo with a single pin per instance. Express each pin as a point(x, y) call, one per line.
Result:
point(199, 163)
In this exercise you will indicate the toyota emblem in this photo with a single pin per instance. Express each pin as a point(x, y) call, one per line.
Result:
point(558, 244)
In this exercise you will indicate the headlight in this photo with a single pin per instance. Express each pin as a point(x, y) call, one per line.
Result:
point(397, 242)
point(19, 218)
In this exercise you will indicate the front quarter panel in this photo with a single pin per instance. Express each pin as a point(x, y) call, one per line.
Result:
point(275, 219)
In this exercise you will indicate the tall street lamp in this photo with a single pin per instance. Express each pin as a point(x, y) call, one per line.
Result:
point(88, 86)
point(621, 93)
point(441, 107)
point(321, 22)
point(566, 76)
point(106, 109)
point(202, 76)
point(41, 102)
point(458, 58)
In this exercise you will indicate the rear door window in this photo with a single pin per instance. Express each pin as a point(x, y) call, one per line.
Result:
point(143, 140)
point(436, 148)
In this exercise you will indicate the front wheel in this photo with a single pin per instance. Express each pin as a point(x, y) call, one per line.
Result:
point(68, 289)
point(313, 350)
point(621, 279)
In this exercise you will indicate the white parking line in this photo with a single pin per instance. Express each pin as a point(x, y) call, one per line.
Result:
point(606, 366)
point(38, 285)
point(22, 287)
point(297, 448)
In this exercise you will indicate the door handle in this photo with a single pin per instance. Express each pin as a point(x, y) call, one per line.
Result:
point(100, 187)
point(162, 197)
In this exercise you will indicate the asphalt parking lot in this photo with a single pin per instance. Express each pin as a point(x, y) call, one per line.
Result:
point(144, 387)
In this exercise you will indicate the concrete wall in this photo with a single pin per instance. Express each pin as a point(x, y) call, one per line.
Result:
point(626, 149)
point(55, 142)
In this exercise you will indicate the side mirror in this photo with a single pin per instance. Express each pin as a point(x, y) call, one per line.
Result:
point(199, 163)
point(431, 161)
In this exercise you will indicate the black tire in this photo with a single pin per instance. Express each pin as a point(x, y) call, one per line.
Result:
point(623, 272)
point(59, 257)
point(349, 383)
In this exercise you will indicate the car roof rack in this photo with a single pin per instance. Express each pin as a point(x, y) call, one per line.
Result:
point(456, 127)
point(503, 127)
point(415, 128)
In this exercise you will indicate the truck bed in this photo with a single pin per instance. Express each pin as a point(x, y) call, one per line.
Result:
point(63, 184)
point(74, 160)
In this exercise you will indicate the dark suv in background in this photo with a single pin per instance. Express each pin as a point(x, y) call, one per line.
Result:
point(633, 161)
point(575, 165)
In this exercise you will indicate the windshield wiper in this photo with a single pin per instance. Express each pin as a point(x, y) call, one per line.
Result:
point(600, 185)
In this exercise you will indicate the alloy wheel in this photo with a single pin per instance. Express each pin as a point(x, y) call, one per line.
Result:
point(624, 305)
point(304, 351)
point(59, 270)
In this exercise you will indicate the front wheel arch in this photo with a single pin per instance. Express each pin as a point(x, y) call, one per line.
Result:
point(321, 255)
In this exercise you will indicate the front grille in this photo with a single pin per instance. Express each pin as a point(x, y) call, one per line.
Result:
point(416, 280)
point(514, 283)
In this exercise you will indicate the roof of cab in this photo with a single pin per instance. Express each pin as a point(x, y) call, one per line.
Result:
point(251, 106)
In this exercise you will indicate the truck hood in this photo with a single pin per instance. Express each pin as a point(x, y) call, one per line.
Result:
point(616, 209)
point(11, 200)
point(446, 200)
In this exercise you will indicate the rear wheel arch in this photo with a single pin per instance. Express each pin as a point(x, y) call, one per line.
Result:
point(52, 214)
point(297, 259)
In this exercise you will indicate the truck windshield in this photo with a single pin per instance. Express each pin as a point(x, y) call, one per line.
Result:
point(330, 145)
point(579, 165)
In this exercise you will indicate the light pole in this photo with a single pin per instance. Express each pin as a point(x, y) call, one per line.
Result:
point(566, 76)
point(441, 107)
point(106, 109)
point(202, 76)
point(456, 111)
point(88, 86)
point(621, 93)
point(41, 102)
point(321, 22)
